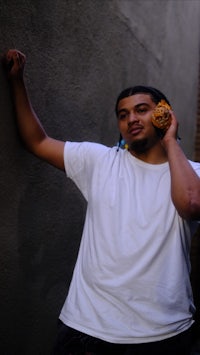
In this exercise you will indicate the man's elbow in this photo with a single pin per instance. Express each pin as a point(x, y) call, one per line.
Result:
point(190, 210)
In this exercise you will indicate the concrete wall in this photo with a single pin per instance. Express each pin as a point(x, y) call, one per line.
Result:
point(80, 55)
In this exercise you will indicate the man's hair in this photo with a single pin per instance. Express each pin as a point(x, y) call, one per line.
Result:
point(156, 95)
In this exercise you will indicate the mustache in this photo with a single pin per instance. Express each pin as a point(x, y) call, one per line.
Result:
point(134, 125)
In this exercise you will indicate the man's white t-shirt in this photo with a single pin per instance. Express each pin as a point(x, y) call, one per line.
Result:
point(131, 282)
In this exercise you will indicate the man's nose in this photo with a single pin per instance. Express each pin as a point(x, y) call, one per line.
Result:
point(132, 117)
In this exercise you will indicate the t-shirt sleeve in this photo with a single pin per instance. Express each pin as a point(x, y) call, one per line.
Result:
point(80, 160)
point(196, 167)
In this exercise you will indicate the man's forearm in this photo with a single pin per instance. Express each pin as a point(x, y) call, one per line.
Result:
point(29, 126)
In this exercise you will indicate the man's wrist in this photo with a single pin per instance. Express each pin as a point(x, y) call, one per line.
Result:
point(170, 142)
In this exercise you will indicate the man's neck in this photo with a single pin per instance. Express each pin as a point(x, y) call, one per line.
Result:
point(154, 155)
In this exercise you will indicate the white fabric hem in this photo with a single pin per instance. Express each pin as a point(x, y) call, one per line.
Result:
point(118, 340)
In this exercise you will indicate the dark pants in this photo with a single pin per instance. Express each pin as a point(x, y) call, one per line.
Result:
point(73, 342)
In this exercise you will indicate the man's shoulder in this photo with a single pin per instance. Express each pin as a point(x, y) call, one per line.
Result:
point(89, 150)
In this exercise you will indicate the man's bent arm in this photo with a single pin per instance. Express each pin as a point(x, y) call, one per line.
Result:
point(185, 183)
point(30, 128)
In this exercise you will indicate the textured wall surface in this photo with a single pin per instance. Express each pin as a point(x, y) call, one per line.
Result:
point(80, 55)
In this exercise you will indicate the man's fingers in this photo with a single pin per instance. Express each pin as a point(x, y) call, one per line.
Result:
point(10, 64)
point(14, 61)
point(15, 56)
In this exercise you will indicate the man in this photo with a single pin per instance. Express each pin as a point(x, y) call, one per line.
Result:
point(130, 292)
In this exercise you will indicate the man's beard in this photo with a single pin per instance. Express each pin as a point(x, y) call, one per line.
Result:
point(139, 146)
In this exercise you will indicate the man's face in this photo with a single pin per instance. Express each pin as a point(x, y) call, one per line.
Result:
point(134, 122)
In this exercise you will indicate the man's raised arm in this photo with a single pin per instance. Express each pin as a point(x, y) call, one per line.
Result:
point(30, 128)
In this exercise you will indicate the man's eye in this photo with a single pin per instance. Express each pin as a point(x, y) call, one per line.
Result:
point(122, 116)
point(142, 110)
